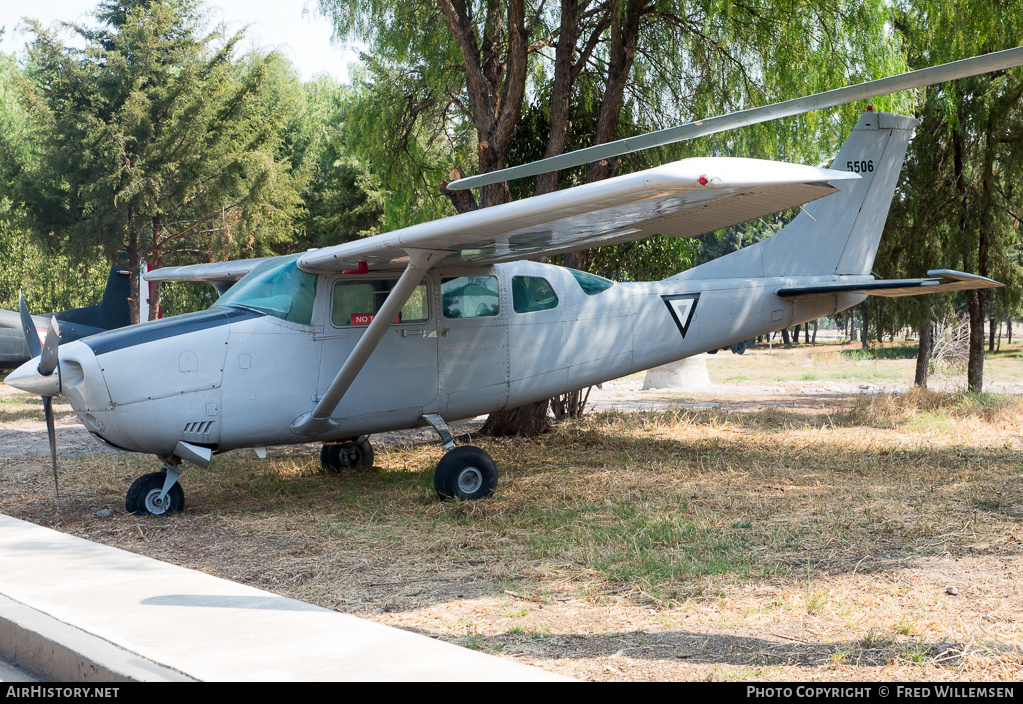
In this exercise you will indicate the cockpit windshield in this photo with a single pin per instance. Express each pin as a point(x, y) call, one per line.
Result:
point(277, 287)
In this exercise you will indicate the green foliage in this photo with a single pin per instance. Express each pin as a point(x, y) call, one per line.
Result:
point(155, 140)
point(50, 281)
point(343, 200)
point(958, 201)
point(691, 61)
point(409, 156)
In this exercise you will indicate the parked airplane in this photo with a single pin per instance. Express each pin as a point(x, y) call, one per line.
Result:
point(445, 319)
point(112, 312)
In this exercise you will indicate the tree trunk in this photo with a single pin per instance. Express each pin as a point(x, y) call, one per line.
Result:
point(155, 262)
point(561, 91)
point(923, 355)
point(785, 337)
point(133, 268)
point(975, 367)
point(464, 201)
point(524, 420)
point(991, 337)
point(1008, 325)
point(863, 327)
point(813, 340)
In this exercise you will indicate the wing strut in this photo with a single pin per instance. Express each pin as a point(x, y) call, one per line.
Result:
point(318, 421)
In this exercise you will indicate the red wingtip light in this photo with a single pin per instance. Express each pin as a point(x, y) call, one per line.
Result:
point(704, 180)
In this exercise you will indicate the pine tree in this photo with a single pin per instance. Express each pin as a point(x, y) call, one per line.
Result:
point(156, 139)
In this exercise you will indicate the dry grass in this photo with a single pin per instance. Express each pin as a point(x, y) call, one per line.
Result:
point(876, 540)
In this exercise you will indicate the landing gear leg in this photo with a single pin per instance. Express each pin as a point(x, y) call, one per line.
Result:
point(467, 473)
point(157, 493)
point(354, 455)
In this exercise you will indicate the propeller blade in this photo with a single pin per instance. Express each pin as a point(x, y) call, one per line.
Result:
point(871, 89)
point(47, 364)
point(52, 432)
point(29, 327)
point(48, 361)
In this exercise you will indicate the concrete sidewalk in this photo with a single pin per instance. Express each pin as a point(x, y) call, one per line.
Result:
point(73, 610)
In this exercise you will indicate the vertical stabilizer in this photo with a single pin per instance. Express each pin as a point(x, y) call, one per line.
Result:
point(838, 234)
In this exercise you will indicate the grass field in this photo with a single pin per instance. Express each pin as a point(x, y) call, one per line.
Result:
point(873, 538)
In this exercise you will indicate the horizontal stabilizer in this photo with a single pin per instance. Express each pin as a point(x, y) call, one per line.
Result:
point(938, 281)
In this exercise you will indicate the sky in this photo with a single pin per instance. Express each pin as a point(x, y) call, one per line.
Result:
point(293, 27)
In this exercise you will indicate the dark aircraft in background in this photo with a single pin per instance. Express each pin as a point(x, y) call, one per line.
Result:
point(112, 312)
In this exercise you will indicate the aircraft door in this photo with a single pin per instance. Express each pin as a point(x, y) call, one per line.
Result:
point(401, 374)
point(473, 334)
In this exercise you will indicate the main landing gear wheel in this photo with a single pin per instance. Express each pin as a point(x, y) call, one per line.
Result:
point(144, 496)
point(357, 456)
point(738, 347)
point(467, 473)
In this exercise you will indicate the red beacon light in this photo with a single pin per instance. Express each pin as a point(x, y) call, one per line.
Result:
point(870, 108)
point(704, 180)
point(363, 269)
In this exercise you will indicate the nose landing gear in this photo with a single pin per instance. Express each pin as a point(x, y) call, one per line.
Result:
point(150, 495)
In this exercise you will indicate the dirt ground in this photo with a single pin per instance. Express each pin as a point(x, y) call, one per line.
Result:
point(947, 607)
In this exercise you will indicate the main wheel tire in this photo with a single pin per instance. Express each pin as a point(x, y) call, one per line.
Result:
point(467, 473)
point(143, 496)
point(348, 456)
point(739, 347)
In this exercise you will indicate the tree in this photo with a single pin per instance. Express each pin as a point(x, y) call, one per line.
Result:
point(49, 280)
point(343, 200)
point(155, 140)
point(962, 184)
point(471, 65)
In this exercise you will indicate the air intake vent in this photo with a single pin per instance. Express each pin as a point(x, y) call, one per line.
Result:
point(198, 431)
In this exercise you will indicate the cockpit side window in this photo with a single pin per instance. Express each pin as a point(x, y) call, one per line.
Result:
point(357, 301)
point(532, 293)
point(277, 287)
point(470, 296)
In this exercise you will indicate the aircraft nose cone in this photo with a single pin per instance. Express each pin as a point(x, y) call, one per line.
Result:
point(27, 378)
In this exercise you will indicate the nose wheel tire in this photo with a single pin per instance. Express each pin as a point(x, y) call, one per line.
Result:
point(143, 497)
point(349, 456)
point(467, 473)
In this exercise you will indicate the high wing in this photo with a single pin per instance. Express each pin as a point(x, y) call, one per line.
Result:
point(682, 199)
point(938, 280)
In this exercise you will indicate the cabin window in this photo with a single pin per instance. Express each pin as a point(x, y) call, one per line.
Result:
point(356, 302)
point(591, 283)
point(531, 293)
point(470, 296)
point(277, 287)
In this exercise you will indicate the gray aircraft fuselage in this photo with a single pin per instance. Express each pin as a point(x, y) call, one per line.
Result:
point(217, 378)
